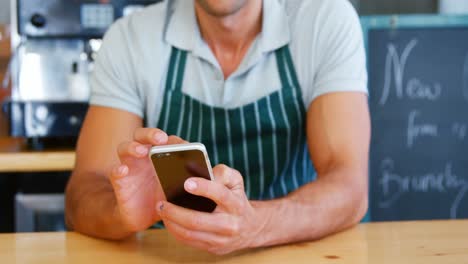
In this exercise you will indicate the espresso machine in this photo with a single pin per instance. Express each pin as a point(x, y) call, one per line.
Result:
point(54, 44)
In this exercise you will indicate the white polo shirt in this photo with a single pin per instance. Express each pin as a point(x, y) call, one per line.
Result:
point(324, 36)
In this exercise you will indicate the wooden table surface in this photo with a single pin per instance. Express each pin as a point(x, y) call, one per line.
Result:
point(14, 157)
point(399, 242)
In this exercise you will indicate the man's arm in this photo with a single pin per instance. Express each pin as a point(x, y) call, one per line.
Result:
point(92, 193)
point(338, 132)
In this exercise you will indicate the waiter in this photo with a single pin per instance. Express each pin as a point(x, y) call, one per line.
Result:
point(276, 90)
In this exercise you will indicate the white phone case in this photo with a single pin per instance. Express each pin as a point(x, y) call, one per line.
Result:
point(184, 147)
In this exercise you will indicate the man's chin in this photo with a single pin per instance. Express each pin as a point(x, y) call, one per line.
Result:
point(219, 9)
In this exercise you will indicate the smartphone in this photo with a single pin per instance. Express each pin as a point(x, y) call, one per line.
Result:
point(174, 164)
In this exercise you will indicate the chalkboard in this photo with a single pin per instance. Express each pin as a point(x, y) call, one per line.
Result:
point(418, 85)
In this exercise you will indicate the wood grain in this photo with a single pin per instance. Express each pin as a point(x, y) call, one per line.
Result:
point(14, 157)
point(37, 161)
point(404, 242)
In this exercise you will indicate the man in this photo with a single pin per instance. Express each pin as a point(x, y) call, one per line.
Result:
point(263, 84)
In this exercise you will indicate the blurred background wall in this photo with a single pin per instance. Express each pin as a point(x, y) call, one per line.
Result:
point(4, 11)
point(4, 57)
point(364, 6)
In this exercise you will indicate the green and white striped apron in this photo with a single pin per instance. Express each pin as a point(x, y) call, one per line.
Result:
point(264, 140)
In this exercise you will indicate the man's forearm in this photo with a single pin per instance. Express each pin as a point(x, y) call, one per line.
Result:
point(324, 207)
point(91, 208)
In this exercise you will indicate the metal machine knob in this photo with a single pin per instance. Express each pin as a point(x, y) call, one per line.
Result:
point(74, 121)
point(38, 20)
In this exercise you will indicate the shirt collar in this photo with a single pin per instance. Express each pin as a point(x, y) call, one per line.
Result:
point(182, 29)
point(183, 32)
point(275, 29)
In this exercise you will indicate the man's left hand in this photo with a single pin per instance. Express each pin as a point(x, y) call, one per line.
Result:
point(234, 225)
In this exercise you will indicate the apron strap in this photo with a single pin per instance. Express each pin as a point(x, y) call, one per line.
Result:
point(175, 75)
point(288, 74)
point(173, 83)
point(172, 65)
point(286, 68)
point(280, 61)
point(181, 70)
point(292, 70)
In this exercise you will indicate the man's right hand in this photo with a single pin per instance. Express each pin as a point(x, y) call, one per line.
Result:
point(136, 186)
point(113, 190)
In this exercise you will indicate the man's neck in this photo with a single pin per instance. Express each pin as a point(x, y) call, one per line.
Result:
point(231, 36)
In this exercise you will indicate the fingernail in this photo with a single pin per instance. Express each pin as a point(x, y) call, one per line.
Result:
point(142, 150)
point(159, 137)
point(160, 206)
point(190, 185)
point(123, 170)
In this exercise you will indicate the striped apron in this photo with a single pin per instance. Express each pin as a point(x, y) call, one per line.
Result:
point(265, 140)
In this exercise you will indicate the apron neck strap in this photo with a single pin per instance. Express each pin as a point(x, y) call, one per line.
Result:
point(286, 67)
point(175, 75)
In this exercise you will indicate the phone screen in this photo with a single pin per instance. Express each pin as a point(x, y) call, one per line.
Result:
point(174, 168)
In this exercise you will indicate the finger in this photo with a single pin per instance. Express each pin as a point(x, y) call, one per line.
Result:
point(121, 184)
point(175, 140)
point(174, 230)
point(228, 177)
point(150, 136)
point(215, 191)
point(220, 224)
point(202, 240)
point(132, 149)
point(125, 186)
point(193, 244)
point(119, 172)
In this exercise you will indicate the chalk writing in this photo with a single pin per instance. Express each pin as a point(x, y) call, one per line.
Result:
point(465, 78)
point(415, 89)
point(419, 130)
point(460, 130)
point(394, 185)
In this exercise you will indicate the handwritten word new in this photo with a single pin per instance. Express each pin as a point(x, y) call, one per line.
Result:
point(415, 89)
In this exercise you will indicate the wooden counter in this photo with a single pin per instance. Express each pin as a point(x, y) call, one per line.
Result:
point(14, 157)
point(378, 243)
